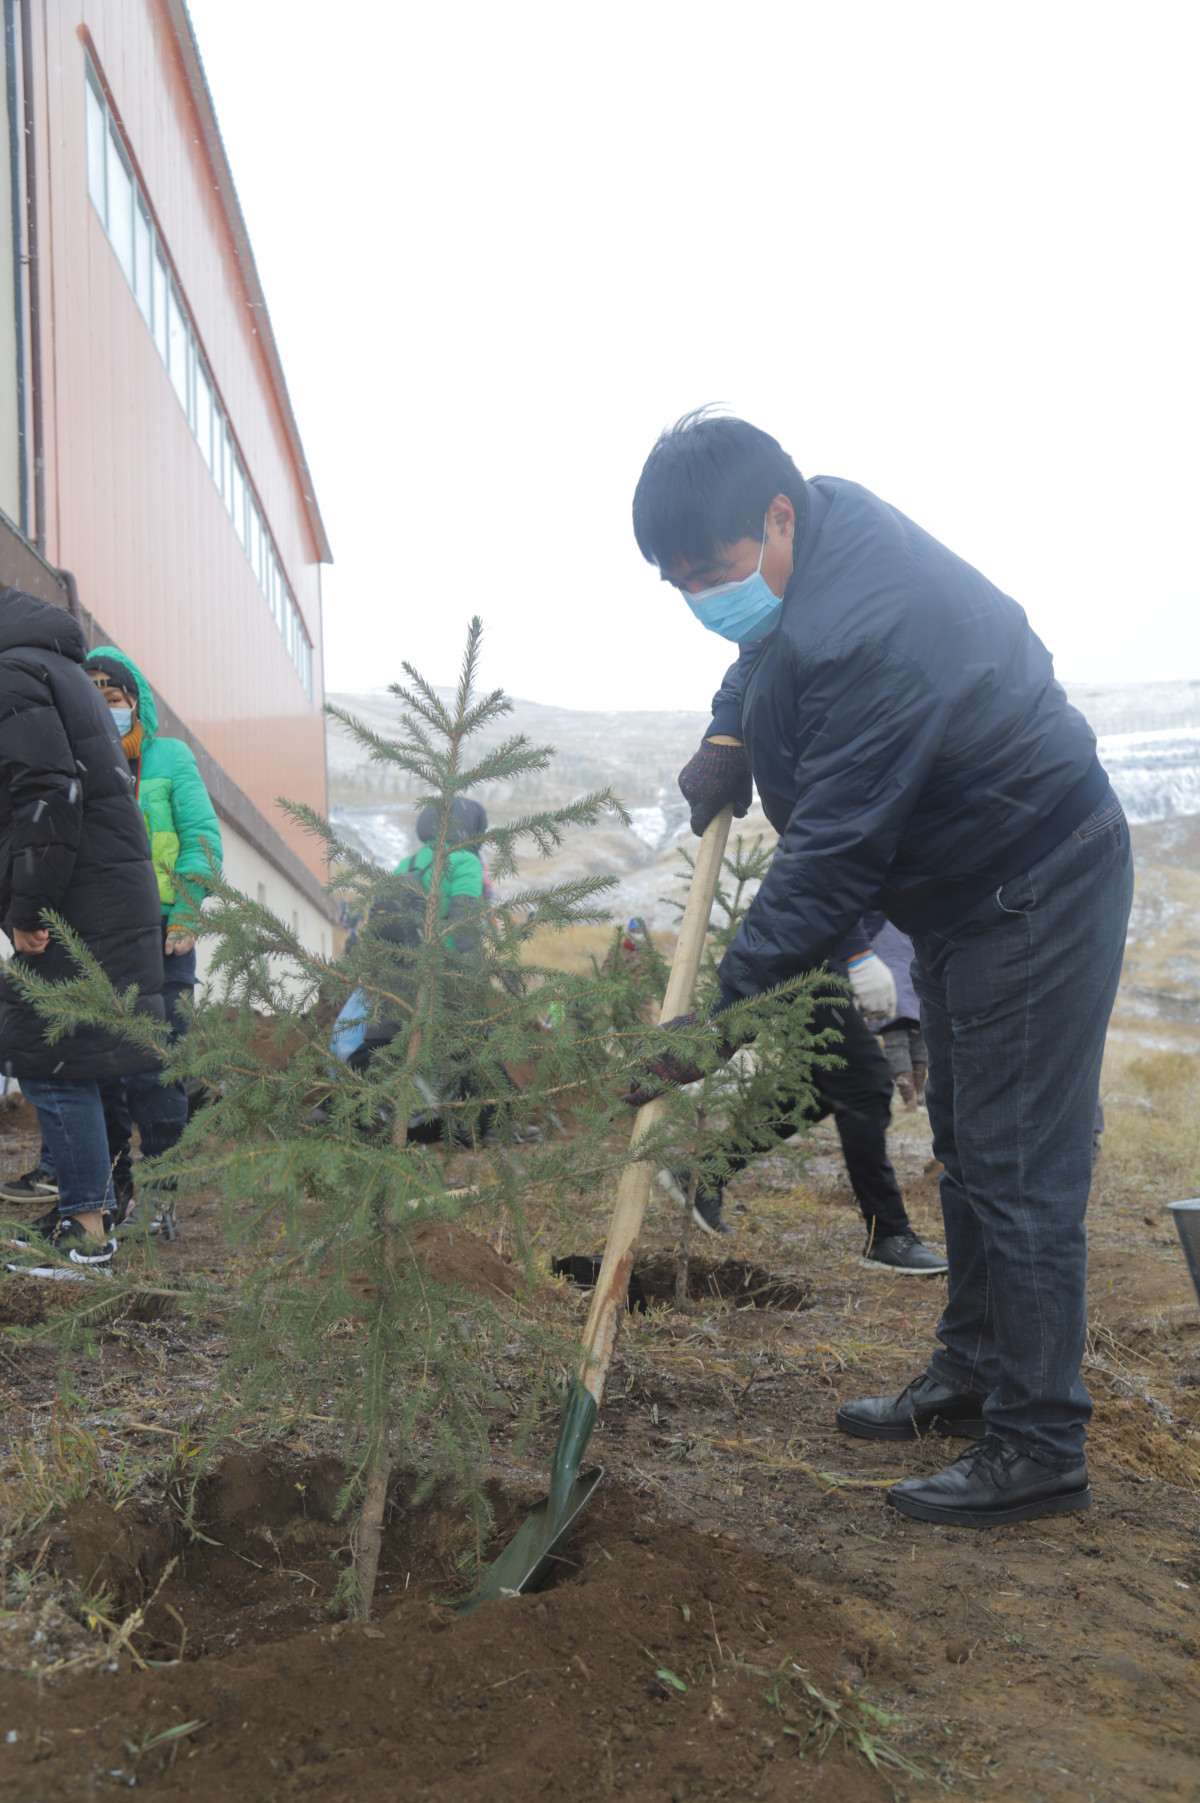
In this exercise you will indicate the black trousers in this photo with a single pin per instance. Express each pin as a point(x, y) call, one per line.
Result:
point(859, 1097)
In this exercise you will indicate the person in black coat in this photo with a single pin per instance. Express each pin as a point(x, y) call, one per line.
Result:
point(72, 842)
point(901, 721)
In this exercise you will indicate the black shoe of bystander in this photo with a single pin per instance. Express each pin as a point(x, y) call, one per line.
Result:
point(31, 1186)
point(68, 1238)
point(903, 1253)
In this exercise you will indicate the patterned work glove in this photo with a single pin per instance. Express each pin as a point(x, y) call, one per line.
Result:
point(663, 1069)
point(716, 775)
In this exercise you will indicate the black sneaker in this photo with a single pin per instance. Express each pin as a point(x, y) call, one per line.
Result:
point(69, 1239)
point(45, 1227)
point(903, 1253)
point(709, 1203)
point(32, 1186)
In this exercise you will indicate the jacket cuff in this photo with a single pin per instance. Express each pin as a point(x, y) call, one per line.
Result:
point(725, 999)
point(726, 721)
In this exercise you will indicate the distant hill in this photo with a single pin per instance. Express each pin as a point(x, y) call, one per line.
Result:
point(1149, 740)
point(1150, 735)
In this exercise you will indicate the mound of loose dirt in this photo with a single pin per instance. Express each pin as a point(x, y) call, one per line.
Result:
point(1128, 1433)
point(643, 1669)
point(456, 1257)
point(729, 1280)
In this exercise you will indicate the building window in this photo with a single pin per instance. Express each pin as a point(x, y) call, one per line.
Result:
point(125, 215)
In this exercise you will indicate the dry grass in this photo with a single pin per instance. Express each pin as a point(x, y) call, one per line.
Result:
point(1152, 1108)
point(573, 949)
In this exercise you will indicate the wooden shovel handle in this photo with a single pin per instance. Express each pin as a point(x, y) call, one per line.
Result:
point(612, 1285)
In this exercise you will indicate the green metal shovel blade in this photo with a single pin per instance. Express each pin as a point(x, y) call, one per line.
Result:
point(529, 1555)
point(534, 1548)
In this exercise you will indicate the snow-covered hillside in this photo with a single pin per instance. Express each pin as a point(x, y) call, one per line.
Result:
point(1149, 742)
point(1156, 774)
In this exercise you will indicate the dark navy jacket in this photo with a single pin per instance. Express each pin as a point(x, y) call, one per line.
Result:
point(907, 737)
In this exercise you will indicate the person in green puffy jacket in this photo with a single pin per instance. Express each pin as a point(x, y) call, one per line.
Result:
point(185, 841)
point(464, 877)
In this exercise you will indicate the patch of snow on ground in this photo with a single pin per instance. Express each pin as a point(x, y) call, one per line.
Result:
point(377, 832)
point(1156, 774)
point(650, 826)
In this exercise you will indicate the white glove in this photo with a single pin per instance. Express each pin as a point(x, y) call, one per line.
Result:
point(874, 986)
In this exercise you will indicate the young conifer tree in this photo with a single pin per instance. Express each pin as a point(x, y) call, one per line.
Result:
point(328, 1167)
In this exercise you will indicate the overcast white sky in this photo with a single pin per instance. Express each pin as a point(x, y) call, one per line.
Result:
point(949, 250)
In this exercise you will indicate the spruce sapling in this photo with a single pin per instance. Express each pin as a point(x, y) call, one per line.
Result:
point(329, 1167)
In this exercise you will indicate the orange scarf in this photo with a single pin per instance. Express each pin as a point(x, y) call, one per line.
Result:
point(131, 744)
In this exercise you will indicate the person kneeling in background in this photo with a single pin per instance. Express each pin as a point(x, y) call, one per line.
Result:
point(72, 842)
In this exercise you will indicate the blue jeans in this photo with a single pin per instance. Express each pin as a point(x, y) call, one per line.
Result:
point(160, 1109)
point(1015, 1000)
point(71, 1116)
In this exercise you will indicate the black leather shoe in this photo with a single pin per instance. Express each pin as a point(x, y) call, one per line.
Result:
point(925, 1406)
point(989, 1484)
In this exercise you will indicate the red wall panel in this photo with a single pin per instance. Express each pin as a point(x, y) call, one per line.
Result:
point(131, 506)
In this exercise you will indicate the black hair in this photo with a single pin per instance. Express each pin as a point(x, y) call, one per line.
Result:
point(468, 820)
point(708, 482)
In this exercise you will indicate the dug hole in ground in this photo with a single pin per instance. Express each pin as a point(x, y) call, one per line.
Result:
point(737, 1615)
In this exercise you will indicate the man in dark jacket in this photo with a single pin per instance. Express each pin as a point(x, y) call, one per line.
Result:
point(913, 750)
point(72, 841)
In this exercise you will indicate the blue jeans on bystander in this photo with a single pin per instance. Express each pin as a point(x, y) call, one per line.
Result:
point(1015, 1001)
point(71, 1116)
point(160, 1109)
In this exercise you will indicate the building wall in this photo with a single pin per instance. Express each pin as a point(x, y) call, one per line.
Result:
point(247, 869)
point(130, 505)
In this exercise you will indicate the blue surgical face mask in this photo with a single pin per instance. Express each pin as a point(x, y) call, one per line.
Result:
point(122, 719)
point(742, 611)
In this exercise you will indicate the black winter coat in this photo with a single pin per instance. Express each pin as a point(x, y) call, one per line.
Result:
point(906, 734)
point(72, 839)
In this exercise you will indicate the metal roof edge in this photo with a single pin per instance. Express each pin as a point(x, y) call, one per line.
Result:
point(193, 67)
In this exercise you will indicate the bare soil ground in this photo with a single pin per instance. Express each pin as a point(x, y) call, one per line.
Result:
point(737, 1598)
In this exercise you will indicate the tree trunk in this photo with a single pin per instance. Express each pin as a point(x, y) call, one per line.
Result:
point(368, 1537)
point(685, 1241)
point(368, 1534)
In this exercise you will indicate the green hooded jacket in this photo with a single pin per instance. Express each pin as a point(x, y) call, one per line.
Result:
point(179, 817)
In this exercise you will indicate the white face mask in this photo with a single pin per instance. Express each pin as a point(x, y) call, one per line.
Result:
point(122, 719)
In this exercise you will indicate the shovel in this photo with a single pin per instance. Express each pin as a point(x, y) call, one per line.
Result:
point(532, 1551)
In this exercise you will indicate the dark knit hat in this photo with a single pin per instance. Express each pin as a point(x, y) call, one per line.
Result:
point(118, 673)
point(468, 820)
